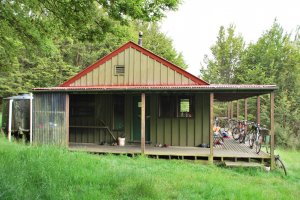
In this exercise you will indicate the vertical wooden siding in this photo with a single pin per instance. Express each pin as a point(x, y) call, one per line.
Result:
point(139, 70)
point(181, 131)
point(102, 106)
point(172, 131)
point(49, 125)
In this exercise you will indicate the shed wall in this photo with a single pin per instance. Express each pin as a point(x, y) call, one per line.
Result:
point(140, 69)
point(96, 112)
point(181, 131)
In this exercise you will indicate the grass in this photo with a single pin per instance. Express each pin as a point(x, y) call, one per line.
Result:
point(55, 173)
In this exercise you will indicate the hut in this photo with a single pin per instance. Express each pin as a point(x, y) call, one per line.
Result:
point(135, 94)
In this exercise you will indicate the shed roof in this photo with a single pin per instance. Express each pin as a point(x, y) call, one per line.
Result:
point(222, 92)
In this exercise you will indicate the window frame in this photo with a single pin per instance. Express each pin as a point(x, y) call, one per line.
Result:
point(174, 104)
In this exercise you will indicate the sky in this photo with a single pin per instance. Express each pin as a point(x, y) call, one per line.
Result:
point(194, 26)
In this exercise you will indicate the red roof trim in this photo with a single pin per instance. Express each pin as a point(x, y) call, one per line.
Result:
point(144, 51)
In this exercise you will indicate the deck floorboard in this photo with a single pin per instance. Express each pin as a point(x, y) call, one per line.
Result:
point(230, 149)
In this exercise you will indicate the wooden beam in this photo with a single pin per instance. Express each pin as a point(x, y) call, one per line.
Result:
point(246, 109)
point(143, 122)
point(272, 129)
point(228, 110)
point(30, 118)
point(231, 110)
point(258, 110)
point(67, 119)
point(10, 118)
point(211, 135)
point(237, 109)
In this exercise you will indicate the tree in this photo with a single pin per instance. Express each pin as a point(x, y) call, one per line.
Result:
point(43, 43)
point(275, 59)
point(226, 59)
point(158, 42)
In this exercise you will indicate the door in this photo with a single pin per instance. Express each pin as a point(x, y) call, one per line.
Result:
point(137, 119)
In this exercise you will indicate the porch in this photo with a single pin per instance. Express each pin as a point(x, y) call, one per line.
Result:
point(231, 150)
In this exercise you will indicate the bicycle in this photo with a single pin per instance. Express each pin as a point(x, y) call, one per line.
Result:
point(236, 131)
point(256, 138)
point(278, 162)
point(243, 132)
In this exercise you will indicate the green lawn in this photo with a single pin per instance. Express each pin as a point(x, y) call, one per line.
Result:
point(53, 173)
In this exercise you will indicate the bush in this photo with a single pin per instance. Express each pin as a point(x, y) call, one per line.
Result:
point(285, 137)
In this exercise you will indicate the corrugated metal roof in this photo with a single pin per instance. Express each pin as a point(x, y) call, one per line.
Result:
point(212, 87)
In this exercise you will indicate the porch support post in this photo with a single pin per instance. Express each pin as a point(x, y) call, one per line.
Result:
point(246, 109)
point(272, 129)
point(211, 135)
point(30, 118)
point(228, 110)
point(67, 119)
point(237, 109)
point(143, 122)
point(258, 110)
point(231, 110)
point(10, 118)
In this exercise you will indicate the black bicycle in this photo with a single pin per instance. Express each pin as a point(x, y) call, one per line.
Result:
point(278, 162)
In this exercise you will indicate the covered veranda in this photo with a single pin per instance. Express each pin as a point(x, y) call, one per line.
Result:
point(229, 151)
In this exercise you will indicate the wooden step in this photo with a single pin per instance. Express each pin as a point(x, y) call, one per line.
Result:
point(242, 164)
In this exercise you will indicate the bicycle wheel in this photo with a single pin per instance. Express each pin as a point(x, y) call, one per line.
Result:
point(279, 164)
point(236, 133)
point(258, 143)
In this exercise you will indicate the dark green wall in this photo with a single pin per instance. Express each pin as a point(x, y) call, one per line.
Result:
point(181, 131)
point(50, 109)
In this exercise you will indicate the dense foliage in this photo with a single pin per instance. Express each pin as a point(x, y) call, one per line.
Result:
point(43, 43)
point(273, 59)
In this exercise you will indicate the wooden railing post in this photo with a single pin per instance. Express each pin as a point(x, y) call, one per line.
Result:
point(272, 129)
point(211, 114)
point(143, 122)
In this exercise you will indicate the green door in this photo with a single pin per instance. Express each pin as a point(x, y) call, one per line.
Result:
point(137, 119)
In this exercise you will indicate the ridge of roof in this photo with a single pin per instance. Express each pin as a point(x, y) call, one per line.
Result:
point(127, 45)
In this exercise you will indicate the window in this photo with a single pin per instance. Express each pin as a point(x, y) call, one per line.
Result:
point(119, 70)
point(184, 107)
point(172, 106)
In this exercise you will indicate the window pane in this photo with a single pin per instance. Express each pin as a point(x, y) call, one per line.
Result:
point(184, 105)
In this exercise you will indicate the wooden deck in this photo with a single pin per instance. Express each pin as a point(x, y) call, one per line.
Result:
point(231, 150)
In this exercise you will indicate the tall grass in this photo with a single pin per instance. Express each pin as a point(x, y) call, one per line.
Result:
point(55, 173)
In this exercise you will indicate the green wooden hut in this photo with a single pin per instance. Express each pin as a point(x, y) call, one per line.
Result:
point(135, 94)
